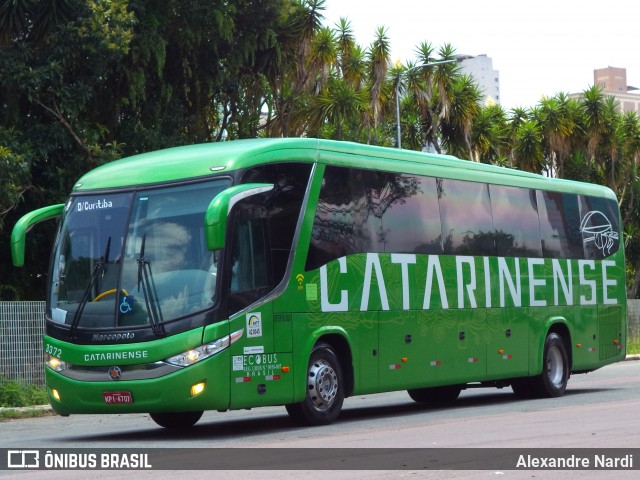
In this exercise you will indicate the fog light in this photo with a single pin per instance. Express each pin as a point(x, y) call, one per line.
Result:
point(55, 394)
point(197, 389)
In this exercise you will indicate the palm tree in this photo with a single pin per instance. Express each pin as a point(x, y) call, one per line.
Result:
point(33, 20)
point(630, 131)
point(323, 57)
point(420, 87)
point(443, 79)
point(558, 118)
point(489, 135)
point(593, 109)
point(336, 106)
point(456, 127)
point(346, 42)
point(527, 148)
point(288, 68)
point(379, 55)
point(354, 67)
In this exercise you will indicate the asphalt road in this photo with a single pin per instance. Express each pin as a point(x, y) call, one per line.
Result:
point(599, 410)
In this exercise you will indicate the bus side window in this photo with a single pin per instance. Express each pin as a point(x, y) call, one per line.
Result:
point(465, 211)
point(249, 263)
point(599, 226)
point(559, 225)
point(283, 209)
point(515, 219)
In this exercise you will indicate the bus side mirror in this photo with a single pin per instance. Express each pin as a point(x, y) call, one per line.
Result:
point(220, 207)
point(19, 233)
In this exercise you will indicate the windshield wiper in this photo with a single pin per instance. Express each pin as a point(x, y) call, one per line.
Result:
point(149, 291)
point(99, 269)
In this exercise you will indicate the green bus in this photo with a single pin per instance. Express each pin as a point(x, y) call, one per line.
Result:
point(299, 272)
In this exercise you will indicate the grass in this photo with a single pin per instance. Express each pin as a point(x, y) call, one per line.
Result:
point(633, 346)
point(16, 398)
point(14, 414)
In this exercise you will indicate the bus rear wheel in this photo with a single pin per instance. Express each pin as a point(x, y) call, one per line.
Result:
point(436, 394)
point(552, 382)
point(176, 420)
point(325, 389)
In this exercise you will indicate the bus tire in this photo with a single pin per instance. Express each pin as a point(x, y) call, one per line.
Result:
point(436, 394)
point(176, 420)
point(325, 389)
point(552, 381)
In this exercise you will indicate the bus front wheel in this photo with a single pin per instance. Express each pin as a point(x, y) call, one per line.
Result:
point(176, 420)
point(325, 389)
point(552, 382)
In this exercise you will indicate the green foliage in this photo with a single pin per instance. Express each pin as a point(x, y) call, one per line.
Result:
point(14, 176)
point(14, 394)
point(633, 346)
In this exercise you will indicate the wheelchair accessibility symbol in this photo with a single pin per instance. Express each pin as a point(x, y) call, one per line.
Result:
point(127, 304)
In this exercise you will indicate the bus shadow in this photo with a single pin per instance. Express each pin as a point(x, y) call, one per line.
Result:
point(258, 424)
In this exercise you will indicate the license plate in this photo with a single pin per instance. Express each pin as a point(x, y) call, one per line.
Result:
point(117, 398)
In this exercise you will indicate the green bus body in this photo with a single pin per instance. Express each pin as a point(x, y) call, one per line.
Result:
point(352, 290)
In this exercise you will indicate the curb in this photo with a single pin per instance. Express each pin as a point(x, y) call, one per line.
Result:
point(44, 408)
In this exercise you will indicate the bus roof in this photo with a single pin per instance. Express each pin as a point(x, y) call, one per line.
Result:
point(203, 160)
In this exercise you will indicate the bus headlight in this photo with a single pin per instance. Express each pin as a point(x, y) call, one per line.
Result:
point(202, 352)
point(54, 363)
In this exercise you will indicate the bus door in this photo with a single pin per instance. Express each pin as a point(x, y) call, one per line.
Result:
point(257, 376)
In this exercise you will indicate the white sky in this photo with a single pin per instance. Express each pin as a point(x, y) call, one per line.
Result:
point(539, 47)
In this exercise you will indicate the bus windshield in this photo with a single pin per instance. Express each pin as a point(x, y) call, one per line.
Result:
point(134, 258)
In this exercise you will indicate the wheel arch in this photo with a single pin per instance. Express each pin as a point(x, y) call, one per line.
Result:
point(559, 326)
point(340, 344)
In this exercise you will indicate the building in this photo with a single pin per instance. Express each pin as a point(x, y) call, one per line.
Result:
point(613, 81)
point(480, 68)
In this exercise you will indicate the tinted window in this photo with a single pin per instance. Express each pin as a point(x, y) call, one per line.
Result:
point(465, 212)
point(599, 227)
point(515, 217)
point(559, 225)
point(370, 211)
point(412, 223)
point(283, 205)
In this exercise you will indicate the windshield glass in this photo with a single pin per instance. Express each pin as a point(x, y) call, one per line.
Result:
point(134, 259)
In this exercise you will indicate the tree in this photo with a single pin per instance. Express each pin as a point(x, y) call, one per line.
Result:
point(379, 55)
point(14, 179)
point(457, 125)
point(489, 135)
point(288, 70)
point(87, 81)
point(527, 148)
point(337, 105)
point(558, 118)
